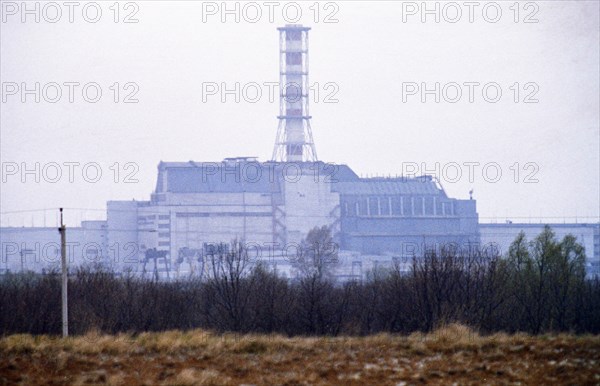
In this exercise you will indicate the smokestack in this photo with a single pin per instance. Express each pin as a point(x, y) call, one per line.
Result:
point(294, 142)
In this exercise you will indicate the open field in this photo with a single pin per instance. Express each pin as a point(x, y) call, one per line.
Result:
point(453, 354)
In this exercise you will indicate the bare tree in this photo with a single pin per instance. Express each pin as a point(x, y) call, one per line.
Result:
point(230, 285)
point(316, 258)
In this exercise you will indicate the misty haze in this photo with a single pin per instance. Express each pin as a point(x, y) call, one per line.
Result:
point(329, 192)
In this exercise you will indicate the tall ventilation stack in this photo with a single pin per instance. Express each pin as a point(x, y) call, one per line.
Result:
point(294, 142)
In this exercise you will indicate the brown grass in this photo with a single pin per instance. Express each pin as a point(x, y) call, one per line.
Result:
point(451, 354)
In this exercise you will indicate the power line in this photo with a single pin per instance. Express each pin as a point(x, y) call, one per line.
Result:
point(29, 210)
point(144, 211)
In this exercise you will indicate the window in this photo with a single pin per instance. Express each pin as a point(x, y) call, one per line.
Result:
point(384, 206)
point(418, 205)
point(450, 210)
point(429, 201)
point(397, 206)
point(440, 208)
point(373, 206)
point(363, 207)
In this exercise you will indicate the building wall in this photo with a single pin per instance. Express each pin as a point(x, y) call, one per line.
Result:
point(244, 216)
point(502, 235)
point(122, 234)
point(38, 249)
point(406, 224)
point(308, 203)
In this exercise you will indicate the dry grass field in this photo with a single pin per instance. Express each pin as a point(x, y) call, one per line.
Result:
point(451, 355)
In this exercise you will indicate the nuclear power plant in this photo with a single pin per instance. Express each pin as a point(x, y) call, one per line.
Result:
point(271, 206)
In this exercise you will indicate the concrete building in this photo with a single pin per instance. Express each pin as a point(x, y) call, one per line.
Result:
point(271, 206)
point(275, 205)
point(38, 248)
point(401, 215)
point(503, 234)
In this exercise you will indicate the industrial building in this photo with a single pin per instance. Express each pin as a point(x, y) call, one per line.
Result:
point(270, 206)
point(501, 235)
point(274, 204)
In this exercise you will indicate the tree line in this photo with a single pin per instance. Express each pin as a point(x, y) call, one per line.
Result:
point(539, 286)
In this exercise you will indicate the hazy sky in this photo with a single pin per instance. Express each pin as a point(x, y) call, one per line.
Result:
point(367, 54)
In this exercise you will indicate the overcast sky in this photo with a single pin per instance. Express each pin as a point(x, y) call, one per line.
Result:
point(368, 56)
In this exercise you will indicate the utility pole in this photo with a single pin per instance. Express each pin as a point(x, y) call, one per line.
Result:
point(63, 256)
